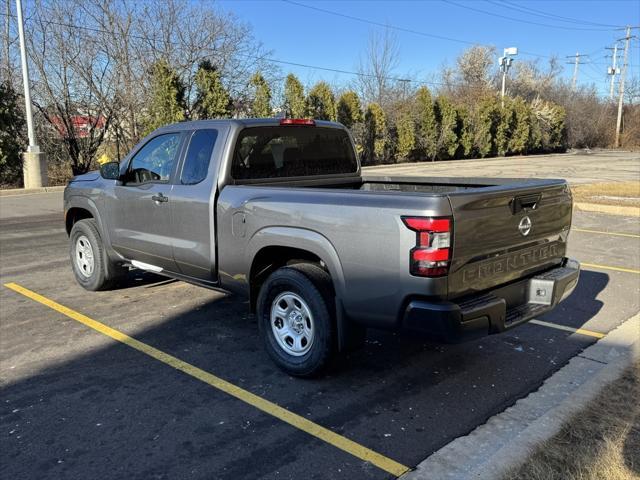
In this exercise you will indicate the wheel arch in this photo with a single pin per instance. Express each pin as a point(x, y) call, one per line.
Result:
point(75, 214)
point(79, 207)
point(275, 247)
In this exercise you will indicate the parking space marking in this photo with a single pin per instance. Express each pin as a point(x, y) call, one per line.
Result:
point(581, 331)
point(273, 409)
point(600, 232)
point(607, 267)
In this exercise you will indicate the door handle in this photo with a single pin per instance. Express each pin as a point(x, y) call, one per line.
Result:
point(523, 202)
point(159, 198)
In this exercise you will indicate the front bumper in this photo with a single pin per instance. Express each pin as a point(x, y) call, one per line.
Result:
point(494, 311)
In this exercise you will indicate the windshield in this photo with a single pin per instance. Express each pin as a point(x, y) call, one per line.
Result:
point(292, 151)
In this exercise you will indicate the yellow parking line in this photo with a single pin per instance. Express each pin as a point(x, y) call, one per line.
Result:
point(600, 232)
point(281, 413)
point(606, 267)
point(581, 331)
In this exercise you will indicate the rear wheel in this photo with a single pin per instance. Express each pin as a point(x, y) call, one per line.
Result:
point(295, 316)
point(91, 266)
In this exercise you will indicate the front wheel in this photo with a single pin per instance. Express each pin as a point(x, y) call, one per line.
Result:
point(91, 266)
point(295, 316)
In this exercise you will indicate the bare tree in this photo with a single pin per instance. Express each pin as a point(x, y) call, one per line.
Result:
point(184, 34)
point(92, 62)
point(529, 80)
point(6, 40)
point(475, 67)
point(73, 82)
point(377, 65)
point(473, 77)
point(632, 91)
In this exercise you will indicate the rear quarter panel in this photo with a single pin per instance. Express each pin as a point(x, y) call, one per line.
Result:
point(359, 235)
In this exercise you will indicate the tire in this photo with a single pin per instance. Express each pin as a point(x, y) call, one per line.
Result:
point(297, 303)
point(91, 266)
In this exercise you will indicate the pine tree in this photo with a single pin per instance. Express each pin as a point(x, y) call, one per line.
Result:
point(321, 103)
point(261, 104)
point(11, 136)
point(426, 123)
point(519, 136)
point(485, 121)
point(212, 99)
point(446, 117)
point(349, 111)
point(294, 101)
point(406, 135)
point(167, 103)
point(464, 131)
point(375, 134)
point(504, 127)
point(558, 135)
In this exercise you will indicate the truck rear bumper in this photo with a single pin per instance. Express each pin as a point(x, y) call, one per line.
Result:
point(494, 311)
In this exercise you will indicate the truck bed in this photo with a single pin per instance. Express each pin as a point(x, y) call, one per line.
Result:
point(415, 184)
point(488, 248)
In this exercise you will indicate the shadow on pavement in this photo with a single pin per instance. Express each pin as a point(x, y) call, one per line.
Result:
point(115, 413)
point(583, 304)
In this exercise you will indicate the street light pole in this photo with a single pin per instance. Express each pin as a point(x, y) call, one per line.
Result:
point(34, 167)
point(505, 63)
point(504, 81)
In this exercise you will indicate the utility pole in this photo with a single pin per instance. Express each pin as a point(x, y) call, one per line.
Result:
point(625, 63)
point(505, 63)
point(34, 166)
point(613, 70)
point(576, 63)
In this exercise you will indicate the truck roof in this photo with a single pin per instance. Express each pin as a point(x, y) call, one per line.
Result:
point(240, 122)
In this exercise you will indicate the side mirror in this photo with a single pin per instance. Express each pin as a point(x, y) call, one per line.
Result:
point(110, 171)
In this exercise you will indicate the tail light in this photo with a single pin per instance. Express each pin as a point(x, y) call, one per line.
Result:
point(298, 121)
point(432, 253)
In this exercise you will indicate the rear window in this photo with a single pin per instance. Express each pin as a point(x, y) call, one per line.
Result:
point(292, 151)
point(196, 162)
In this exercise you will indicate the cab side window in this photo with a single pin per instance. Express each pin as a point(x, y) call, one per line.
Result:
point(154, 162)
point(196, 162)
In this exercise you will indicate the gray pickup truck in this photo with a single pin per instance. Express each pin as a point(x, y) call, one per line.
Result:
point(278, 210)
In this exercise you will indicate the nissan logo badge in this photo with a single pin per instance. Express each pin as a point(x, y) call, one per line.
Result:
point(524, 226)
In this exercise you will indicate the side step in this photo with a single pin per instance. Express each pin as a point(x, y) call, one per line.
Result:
point(146, 266)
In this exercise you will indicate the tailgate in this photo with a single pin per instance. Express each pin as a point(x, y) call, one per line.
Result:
point(507, 232)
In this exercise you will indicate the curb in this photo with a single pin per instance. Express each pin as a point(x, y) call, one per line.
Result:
point(608, 209)
point(506, 440)
point(29, 191)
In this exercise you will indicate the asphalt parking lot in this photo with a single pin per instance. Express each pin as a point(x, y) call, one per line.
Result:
point(77, 404)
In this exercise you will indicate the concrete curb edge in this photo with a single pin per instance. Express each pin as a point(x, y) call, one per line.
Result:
point(609, 209)
point(507, 439)
point(30, 191)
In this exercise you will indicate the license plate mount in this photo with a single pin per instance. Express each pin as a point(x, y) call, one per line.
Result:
point(541, 291)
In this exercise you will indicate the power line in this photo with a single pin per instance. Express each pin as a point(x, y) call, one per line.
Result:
point(254, 57)
point(395, 27)
point(591, 77)
point(595, 70)
point(553, 16)
point(151, 41)
point(493, 14)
